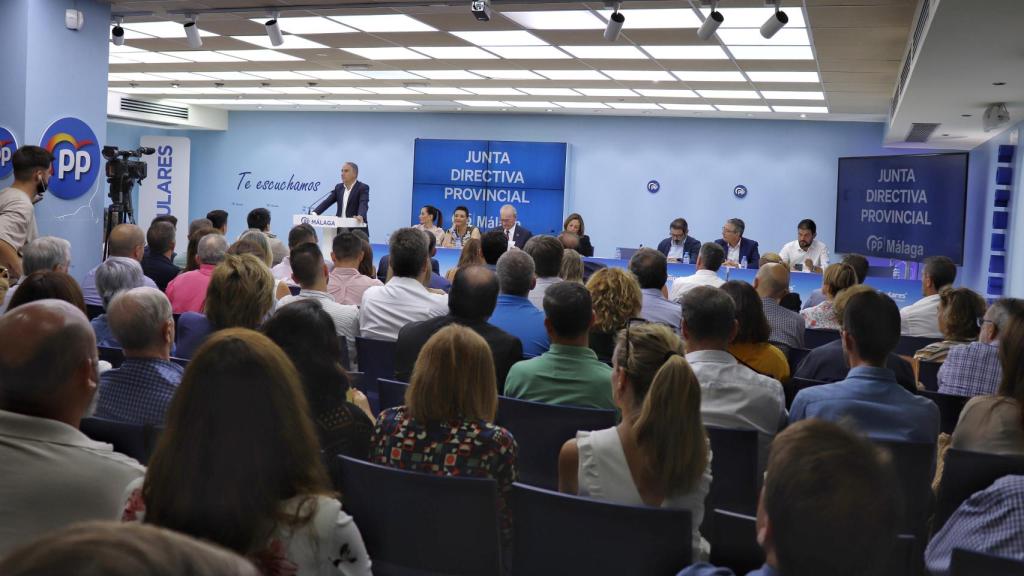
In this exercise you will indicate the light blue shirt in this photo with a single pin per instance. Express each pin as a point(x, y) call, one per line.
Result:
point(92, 295)
point(705, 569)
point(520, 318)
point(881, 408)
point(657, 308)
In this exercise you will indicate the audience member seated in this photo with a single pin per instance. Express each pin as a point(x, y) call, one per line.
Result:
point(191, 262)
point(769, 258)
point(492, 245)
point(366, 266)
point(259, 219)
point(922, 317)
point(651, 270)
point(679, 246)
point(340, 413)
point(472, 300)
point(260, 239)
point(384, 268)
point(181, 258)
point(239, 464)
point(860, 266)
point(100, 548)
point(187, 292)
point(569, 373)
point(52, 475)
point(219, 220)
point(709, 261)
point(837, 277)
point(750, 346)
point(46, 284)
point(461, 231)
point(658, 454)
point(437, 282)
point(995, 423)
point(113, 276)
point(310, 273)
point(297, 236)
point(732, 395)
point(140, 390)
point(125, 240)
point(960, 312)
point(46, 253)
point(157, 263)
point(345, 284)
point(546, 252)
point(740, 252)
point(571, 242)
point(431, 222)
point(574, 225)
point(816, 466)
point(787, 326)
point(828, 363)
point(572, 266)
point(446, 426)
point(617, 300)
point(405, 299)
point(989, 521)
point(240, 295)
point(973, 369)
point(471, 255)
point(514, 312)
point(870, 395)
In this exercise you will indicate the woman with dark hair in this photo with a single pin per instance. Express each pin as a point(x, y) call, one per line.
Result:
point(461, 231)
point(239, 465)
point(341, 414)
point(44, 284)
point(431, 221)
point(193, 247)
point(751, 345)
point(574, 224)
point(472, 255)
point(366, 264)
point(960, 311)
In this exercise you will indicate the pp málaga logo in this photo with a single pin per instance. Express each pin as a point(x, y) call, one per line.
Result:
point(76, 154)
point(876, 243)
point(7, 147)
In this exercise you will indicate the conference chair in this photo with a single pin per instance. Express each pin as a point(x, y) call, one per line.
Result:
point(93, 310)
point(540, 431)
point(733, 539)
point(928, 374)
point(814, 337)
point(795, 356)
point(417, 524)
point(132, 440)
point(734, 471)
point(392, 393)
point(950, 407)
point(907, 345)
point(795, 385)
point(906, 557)
point(965, 473)
point(113, 355)
point(971, 563)
point(346, 362)
point(183, 362)
point(557, 534)
point(914, 463)
point(376, 360)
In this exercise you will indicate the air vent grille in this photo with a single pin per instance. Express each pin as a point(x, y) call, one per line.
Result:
point(144, 106)
point(915, 42)
point(921, 132)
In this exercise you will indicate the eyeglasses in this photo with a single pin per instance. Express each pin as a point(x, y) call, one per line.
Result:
point(629, 346)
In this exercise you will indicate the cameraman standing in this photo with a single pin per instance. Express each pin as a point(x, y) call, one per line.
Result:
point(33, 167)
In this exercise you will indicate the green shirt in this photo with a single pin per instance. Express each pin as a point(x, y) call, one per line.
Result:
point(570, 375)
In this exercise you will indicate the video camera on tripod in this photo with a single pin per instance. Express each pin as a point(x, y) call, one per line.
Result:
point(122, 175)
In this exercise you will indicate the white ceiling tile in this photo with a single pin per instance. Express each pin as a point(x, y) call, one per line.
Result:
point(606, 92)
point(501, 38)
point(783, 76)
point(291, 42)
point(772, 52)
point(581, 105)
point(605, 52)
point(571, 74)
point(279, 75)
point(454, 52)
point(640, 75)
point(532, 104)
point(332, 75)
point(386, 53)
point(752, 37)
point(755, 17)
point(395, 90)
point(489, 91)
point(161, 29)
point(230, 75)
point(557, 20)
point(440, 90)
point(729, 94)
point(708, 52)
point(633, 106)
point(668, 93)
point(261, 55)
point(389, 75)
point(802, 109)
point(448, 74)
point(687, 107)
point(741, 108)
point(384, 23)
point(550, 91)
point(706, 76)
point(791, 95)
point(528, 52)
point(508, 74)
point(483, 103)
point(308, 25)
point(393, 103)
point(654, 18)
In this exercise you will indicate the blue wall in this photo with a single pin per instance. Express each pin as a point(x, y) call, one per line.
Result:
point(789, 168)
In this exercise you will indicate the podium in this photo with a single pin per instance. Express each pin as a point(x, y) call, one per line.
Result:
point(327, 228)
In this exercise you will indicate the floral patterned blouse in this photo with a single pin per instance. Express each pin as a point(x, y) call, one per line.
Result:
point(822, 316)
point(328, 544)
point(460, 447)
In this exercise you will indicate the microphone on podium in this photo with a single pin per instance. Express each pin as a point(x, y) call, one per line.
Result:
point(309, 210)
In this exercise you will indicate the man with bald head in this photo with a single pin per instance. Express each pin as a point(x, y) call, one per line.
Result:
point(51, 474)
point(772, 284)
point(127, 241)
point(140, 390)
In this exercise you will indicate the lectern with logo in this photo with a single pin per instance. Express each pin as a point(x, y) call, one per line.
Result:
point(327, 227)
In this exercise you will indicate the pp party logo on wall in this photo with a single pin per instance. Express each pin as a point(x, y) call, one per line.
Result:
point(7, 147)
point(76, 157)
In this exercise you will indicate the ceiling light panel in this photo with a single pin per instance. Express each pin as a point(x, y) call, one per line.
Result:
point(384, 23)
point(640, 75)
point(440, 90)
point(308, 25)
point(571, 74)
point(261, 55)
point(754, 17)
point(135, 77)
point(668, 93)
point(230, 76)
point(392, 103)
point(739, 108)
point(349, 102)
point(454, 52)
point(658, 18)
point(772, 52)
point(187, 76)
point(532, 104)
point(686, 52)
point(332, 75)
point(752, 37)
point(296, 90)
point(606, 52)
point(483, 103)
point(501, 38)
point(729, 94)
point(508, 74)
point(311, 102)
point(389, 75)
point(152, 58)
point(341, 90)
point(528, 52)
point(702, 76)
point(251, 90)
point(592, 105)
point(279, 75)
point(494, 91)
point(802, 109)
point(388, 53)
point(115, 59)
point(550, 91)
point(633, 106)
point(783, 76)
point(290, 42)
point(162, 29)
point(557, 20)
point(791, 95)
point(124, 49)
point(393, 90)
point(687, 107)
point(448, 74)
point(606, 92)
point(202, 56)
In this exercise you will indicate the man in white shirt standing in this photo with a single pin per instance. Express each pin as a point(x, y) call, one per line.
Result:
point(405, 298)
point(33, 167)
point(52, 475)
point(922, 317)
point(709, 260)
point(806, 253)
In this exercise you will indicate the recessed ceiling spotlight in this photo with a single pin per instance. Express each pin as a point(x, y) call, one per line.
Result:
point(803, 115)
point(775, 22)
point(945, 134)
point(999, 83)
point(965, 115)
point(175, 85)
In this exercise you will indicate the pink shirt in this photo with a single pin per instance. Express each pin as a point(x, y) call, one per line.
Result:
point(346, 285)
point(187, 292)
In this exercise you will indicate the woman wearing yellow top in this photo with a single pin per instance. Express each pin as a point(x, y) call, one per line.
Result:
point(751, 345)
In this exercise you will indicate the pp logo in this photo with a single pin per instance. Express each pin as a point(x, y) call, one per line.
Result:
point(76, 156)
point(7, 148)
point(304, 220)
point(740, 191)
point(876, 243)
point(653, 186)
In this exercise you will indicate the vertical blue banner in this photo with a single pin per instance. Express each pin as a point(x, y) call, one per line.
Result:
point(485, 175)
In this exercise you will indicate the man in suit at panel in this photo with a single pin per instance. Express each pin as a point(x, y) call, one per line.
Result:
point(737, 248)
point(679, 243)
point(510, 227)
point(352, 196)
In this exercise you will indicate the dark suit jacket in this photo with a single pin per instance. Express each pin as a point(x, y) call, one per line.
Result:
point(826, 363)
point(585, 247)
point(358, 201)
point(748, 249)
point(506, 348)
point(159, 269)
point(690, 245)
point(520, 237)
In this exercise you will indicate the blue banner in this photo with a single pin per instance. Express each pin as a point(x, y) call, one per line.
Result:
point(903, 207)
point(485, 175)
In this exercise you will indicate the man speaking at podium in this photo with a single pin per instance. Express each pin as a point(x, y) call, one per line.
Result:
point(352, 196)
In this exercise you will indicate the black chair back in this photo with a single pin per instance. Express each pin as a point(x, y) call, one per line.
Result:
point(928, 374)
point(346, 362)
point(949, 408)
point(795, 385)
point(92, 311)
point(906, 557)
point(971, 563)
point(733, 539)
point(914, 463)
point(734, 470)
point(558, 534)
point(910, 344)
point(541, 429)
point(113, 355)
point(965, 473)
point(132, 440)
point(814, 337)
point(416, 523)
point(376, 360)
point(795, 356)
point(392, 393)
point(183, 362)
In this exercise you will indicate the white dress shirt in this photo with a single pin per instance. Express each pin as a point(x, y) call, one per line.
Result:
point(386, 309)
point(344, 198)
point(511, 235)
point(344, 316)
point(701, 278)
point(733, 253)
point(53, 476)
point(536, 295)
point(921, 318)
point(794, 254)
